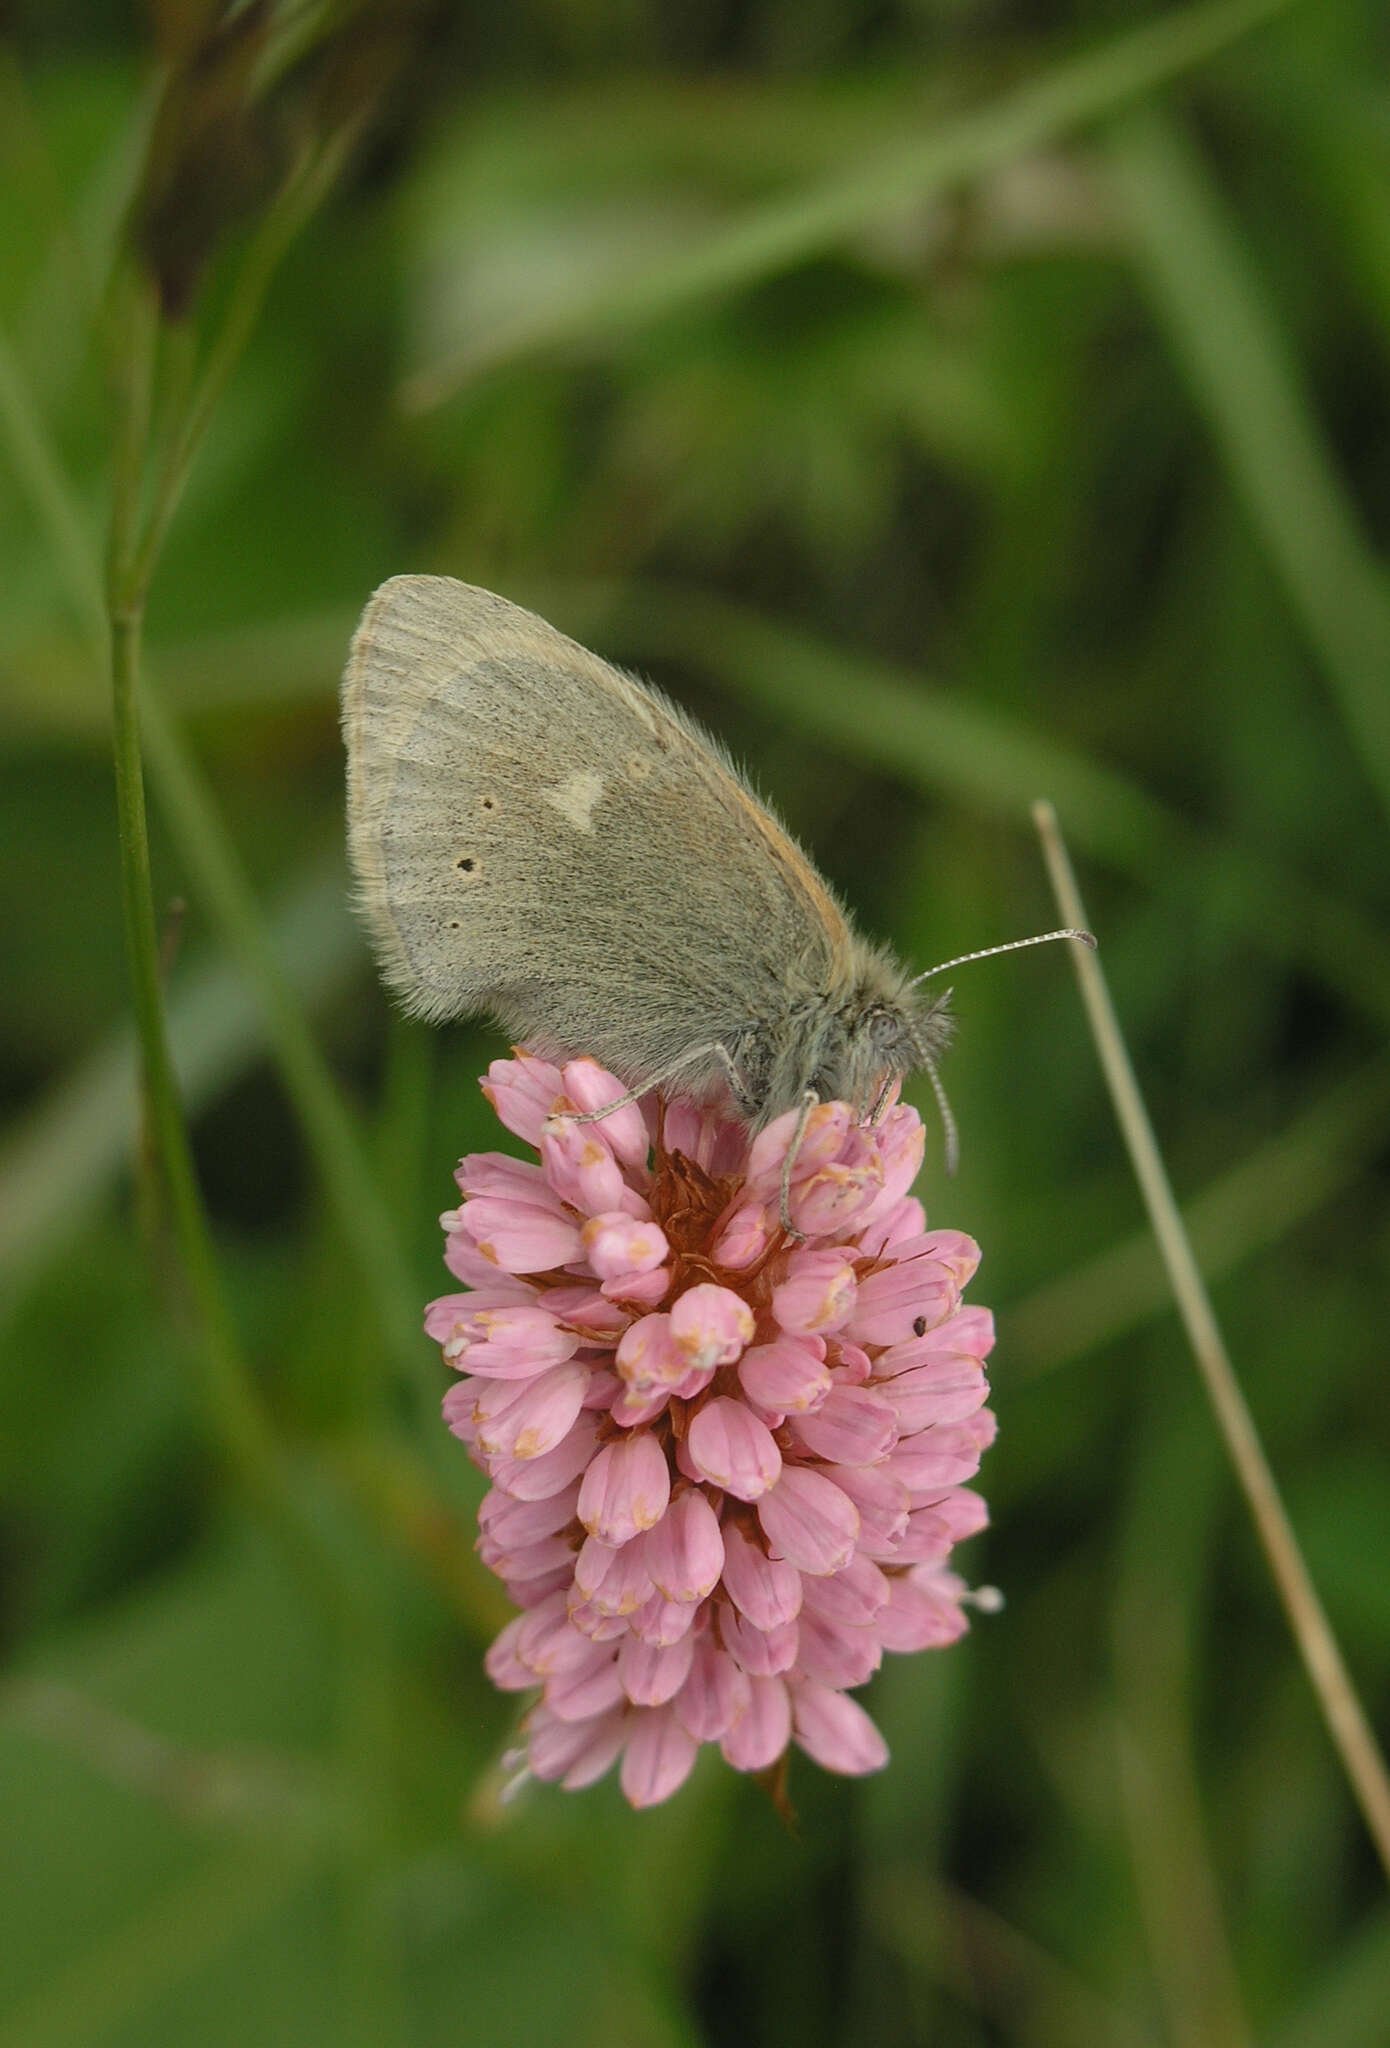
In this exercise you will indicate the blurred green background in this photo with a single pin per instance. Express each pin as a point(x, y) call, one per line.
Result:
point(954, 402)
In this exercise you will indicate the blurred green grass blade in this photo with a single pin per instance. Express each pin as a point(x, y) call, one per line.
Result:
point(40, 475)
point(179, 1934)
point(942, 1935)
point(886, 719)
point(1257, 1203)
point(349, 1185)
point(1163, 1569)
point(1227, 337)
point(63, 1158)
point(789, 229)
point(1353, 1997)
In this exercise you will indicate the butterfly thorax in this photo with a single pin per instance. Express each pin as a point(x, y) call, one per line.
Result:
point(846, 1042)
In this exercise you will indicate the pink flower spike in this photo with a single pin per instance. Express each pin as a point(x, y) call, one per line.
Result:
point(625, 1490)
point(818, 1295)
point(588, 1087)
point(711, 1325)
point(636, 1327)
point(658, 1757)
point(763, 1730)
point(809, 1521)
point(616, 1243)
point(713, 1696)
point(685, 1550)
point(835, 1731)
point(851, 1427)
point(766, 1590)
point(522, 1090)
point(730, 1448)
point(521, 1237)
point(654, 1673)
point(787, 1377)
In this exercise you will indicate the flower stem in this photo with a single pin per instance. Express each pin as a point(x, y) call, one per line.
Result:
point(237, 1416)
point(1341, 1709)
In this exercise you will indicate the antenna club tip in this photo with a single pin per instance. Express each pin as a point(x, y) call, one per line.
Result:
point(1087, 939)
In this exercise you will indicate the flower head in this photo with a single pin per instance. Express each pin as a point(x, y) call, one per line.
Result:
point(728, 1465)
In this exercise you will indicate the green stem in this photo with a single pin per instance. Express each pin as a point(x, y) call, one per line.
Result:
point(1341, 1709)
point(234, 1407)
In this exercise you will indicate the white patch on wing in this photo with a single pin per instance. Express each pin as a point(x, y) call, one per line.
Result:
point(575, 797)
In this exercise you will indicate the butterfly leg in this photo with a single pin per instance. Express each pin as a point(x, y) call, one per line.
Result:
point(809, 1102)
point(688, 1059)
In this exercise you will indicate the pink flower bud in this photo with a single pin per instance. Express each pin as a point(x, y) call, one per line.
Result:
point(728, 1446)
point(685, 1550)
point(809, 1521)
point(537, 1417)
point(658, 1757)
point(648, 1356)
point(818, 1294)
point(654, 1673)
point(766, 1590)
point(580, 1167)
point(522, 1090)
point(851, 1427)
point(589, 1087)
point(835, 1731)
point(615, 1243)
point(711, 1325)
point(763, 1730)
point(521, 1237)
point(573, 1753)
point(761, 1652)
point(625, 1490)
point(787, 1376)
point(924, 1612)
point(714, 1694)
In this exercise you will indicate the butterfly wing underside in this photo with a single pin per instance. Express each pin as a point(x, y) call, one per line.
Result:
point(538, 835)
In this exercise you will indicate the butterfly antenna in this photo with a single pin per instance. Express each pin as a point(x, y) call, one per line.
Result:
point(948, 1122)
point(1013, 946)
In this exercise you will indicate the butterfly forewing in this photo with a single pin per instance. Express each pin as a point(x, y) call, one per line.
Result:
point(537, 834)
